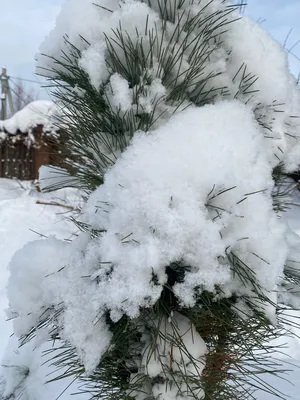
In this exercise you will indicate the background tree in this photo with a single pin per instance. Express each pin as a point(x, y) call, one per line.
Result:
point(22, 94)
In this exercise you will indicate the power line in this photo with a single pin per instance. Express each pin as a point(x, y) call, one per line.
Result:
point(29, 80)
point(18, 86)
point(25, 80)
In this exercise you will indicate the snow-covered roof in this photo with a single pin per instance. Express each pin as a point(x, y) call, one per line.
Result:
point(40, 112)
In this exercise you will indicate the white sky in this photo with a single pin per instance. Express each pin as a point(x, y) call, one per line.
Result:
point(24, 24)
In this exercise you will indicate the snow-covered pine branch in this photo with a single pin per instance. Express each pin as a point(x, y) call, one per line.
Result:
point(178, 114)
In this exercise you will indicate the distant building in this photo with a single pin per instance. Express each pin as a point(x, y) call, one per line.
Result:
point(26, 140)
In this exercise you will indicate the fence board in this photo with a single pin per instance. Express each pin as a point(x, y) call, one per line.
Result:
point(19, 161)
point(1, 162)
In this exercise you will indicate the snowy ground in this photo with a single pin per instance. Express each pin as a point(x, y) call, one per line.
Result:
point(21, 221)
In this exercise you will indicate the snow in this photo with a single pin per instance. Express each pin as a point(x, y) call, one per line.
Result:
point(21, 221)
point(93, 62)
point(30, 269)
point(160, 204)
point(26, 373)
point(52, 177)
point(288, 357)
point(119, 95)
point(266, 60)
point(39, 112)
point(196, 189)
point(100, 21)
point(250, 65)
point(18, 214)
point(176, 333)
point(20, 218)
point(154, 95)
point(152, 211)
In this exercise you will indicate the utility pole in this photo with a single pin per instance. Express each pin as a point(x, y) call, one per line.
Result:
point(5, 95)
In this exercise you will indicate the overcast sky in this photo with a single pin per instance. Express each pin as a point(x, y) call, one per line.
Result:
point(24, 24)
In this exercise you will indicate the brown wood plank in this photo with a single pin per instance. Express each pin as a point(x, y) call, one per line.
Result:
point(15, 160)
point(28, 177)
point(10, 162)
point(21, 167)
point(25, 163)
point(20, 161)
point(6, 161)
point(1, 165)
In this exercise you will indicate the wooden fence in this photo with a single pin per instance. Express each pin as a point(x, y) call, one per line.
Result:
point(20, 159)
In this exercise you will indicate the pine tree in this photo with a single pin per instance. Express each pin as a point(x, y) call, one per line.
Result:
point(181, 123)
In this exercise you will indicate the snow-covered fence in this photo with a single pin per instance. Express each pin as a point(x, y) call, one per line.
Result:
point(26, 141)
point(21, 157)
